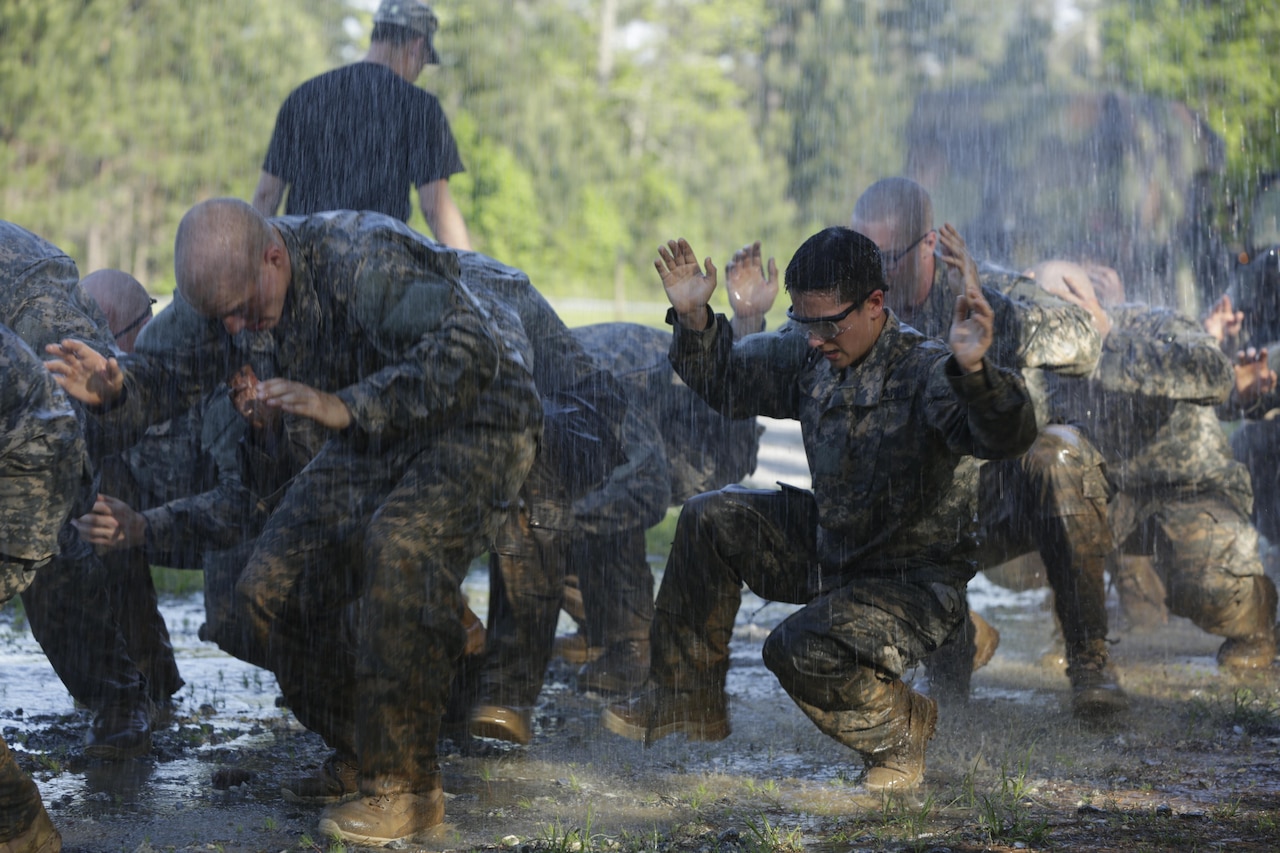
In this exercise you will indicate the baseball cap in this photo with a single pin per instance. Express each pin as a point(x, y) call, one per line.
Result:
point(413, 16)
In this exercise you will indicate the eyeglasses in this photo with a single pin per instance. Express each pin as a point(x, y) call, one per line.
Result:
point(822, 328)
point(892, 259)
point(142, 318)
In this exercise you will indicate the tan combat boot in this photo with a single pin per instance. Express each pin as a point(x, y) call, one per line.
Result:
point(899, 766)
point(384, 819)
point(1095, 693)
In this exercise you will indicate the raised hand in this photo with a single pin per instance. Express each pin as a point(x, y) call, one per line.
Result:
point(84, 373)
point(298, 399)
point(1223, 321)
point(971, 327)
point(687, 288)
point(1254, 376)
point(751, 294)
point(962, 269)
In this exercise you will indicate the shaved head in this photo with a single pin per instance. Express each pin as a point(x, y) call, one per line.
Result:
point(218, 253)
point(123, 299)
point(899, 202)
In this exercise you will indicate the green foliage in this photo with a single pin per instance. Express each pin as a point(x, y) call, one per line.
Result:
point(591, 132)
point(1218, 57)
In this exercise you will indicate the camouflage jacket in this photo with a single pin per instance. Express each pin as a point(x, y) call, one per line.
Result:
point(883, 438)
point(1149, 407)
point(375, 314)
point(687, 447)
point(585, 407)
point(43, 466)
point(41, 298)
point(1034, 332)
point(192, 494)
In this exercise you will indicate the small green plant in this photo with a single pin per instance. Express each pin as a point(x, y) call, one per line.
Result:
point(270, 825)
point(766, 838)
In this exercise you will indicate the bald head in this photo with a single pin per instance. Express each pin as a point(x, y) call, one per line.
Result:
point(123, 299)
point(218, 252)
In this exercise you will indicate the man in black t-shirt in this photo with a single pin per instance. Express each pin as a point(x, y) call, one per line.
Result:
point(358, 137)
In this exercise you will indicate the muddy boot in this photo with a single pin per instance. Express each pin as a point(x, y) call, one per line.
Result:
point(576, 649)
point(120, 731)
point(986, 639)
point(1095, 693)
point(336, 781)
point(660, 711)
point(24, 824)
point(39, 837)
point(622, 669)
point(1142, 593)
point(511, 723)
point(1254, 647)
point(898, 764)
point(383, 819)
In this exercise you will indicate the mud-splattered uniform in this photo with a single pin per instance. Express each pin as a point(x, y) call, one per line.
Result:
point(1053, 499)
point(390, 512)
point(1149, 407)
point(184, 479)
point(677, 447)
point(42, 301)
point(42, 465)
point(871, 552)
point(584, 410)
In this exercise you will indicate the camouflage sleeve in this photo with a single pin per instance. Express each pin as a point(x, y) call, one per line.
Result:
point(637, 492)
point(433, 378)
point(755, 376)
point(42, 455)
point(987, 414)
point(216, 519)
point(178, 357)
point(1049, 333)
point(1160, 353)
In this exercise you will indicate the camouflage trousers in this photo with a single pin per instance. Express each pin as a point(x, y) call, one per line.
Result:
point(1206, 551)
point(527, 568)
point(391, 531)
point(841, 656)
point(617, 585)
point(1053, 499)
point(1257, 445)
point(70, 611)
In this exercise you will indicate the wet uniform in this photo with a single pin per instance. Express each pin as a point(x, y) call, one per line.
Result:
point(390, 512)
point(584, 410)
point(1053, 498)
point(870, 552)
point(1149, 408)
point(184, 479)
point(677, 447)
point(41, 300)
point(42, 466)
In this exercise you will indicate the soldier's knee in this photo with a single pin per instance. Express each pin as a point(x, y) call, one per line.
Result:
point(1059, 446)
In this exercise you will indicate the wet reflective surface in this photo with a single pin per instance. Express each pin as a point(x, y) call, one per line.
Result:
point(1196, 762)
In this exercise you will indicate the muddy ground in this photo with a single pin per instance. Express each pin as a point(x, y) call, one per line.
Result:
point(1196, 765)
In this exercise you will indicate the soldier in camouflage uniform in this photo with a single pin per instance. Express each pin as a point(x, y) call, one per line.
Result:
point(42, 301)
point(1246, 323)
point(1182, 499)
point(427, 391)
point(42, 466)
point(584, 414)
point(870, 551)
point(677, 447)
point(1054, 498)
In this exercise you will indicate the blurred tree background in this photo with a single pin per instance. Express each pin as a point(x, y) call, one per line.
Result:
point(592, 130)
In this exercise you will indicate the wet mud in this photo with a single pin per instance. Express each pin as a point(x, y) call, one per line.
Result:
point(1195, 764)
